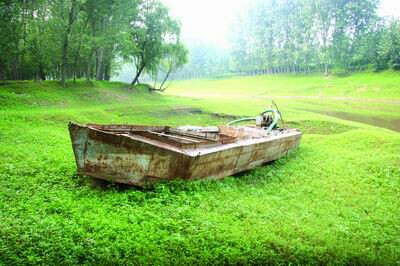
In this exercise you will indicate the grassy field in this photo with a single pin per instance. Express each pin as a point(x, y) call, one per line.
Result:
point(334, 200)
point(359, 85)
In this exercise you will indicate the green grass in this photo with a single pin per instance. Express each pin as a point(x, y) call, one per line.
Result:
point(384, 85)
point(333, 201)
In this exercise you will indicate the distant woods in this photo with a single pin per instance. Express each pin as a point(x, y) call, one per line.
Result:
point(315, 35)
point(91, 39)
point(75, 39)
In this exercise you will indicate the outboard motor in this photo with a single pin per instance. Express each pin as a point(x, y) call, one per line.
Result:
point(264, 120)
point(267, 120)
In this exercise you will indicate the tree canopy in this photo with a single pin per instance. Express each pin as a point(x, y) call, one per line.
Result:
point(309, 35)
point(69, 39)
point(61, 39)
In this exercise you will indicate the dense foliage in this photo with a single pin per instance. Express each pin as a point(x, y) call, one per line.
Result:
point(315, 35)
point(84, 38)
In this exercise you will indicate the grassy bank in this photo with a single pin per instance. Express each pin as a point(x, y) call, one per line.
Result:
point(382, 85)
point(334, 200)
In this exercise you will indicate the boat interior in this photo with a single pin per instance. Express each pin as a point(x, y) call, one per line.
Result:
point(187, 136)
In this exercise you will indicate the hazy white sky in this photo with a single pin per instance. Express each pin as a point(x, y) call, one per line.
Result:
point(390, 8)
point(206, 20)
point(210, 20)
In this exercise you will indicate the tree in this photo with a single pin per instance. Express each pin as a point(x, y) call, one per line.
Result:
point(9, 35)
point(61, 39)
point(148, 35)
point(69, 13)
point(388, 55)
point(175, 56)
point(293, 35)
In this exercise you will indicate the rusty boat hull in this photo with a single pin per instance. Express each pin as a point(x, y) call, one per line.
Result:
point(137, 155)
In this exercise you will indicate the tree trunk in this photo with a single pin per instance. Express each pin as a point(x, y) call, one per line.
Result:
point(166, 77)
point(76, 60)
point(107, 70)
point(326, 69)
point(88, 69)
point(24, 36)
point(138, 73)
point(14, 69)
point(42, 75)
point(64, 59)
point(2, 73)
point(99, 63)
point(89, 66)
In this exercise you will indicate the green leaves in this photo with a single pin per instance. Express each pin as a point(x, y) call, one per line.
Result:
point(303, 36)
point(153, 34)
point(389, 47)
point(75, 38)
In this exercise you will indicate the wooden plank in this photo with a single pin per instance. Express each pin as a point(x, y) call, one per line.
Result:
point(187, 134)
point(174, 137)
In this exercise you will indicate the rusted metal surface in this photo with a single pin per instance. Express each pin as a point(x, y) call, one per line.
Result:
point(138, 155)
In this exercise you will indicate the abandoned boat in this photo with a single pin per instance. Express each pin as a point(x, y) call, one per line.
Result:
point(138, 155)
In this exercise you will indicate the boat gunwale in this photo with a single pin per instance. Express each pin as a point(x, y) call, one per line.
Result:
point(190, 151)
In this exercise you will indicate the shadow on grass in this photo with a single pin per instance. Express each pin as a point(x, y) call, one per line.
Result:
point(319, 127)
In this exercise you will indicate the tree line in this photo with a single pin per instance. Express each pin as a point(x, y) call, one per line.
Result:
point(74, 39)
point(283, 36)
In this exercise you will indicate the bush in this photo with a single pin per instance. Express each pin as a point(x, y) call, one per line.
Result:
point(340, 72)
